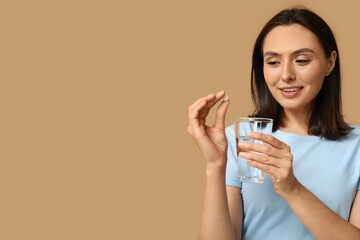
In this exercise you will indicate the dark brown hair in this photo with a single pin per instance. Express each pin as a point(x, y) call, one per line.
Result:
point(326, 119)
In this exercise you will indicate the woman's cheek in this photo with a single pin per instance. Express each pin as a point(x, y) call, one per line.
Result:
point(271, 76)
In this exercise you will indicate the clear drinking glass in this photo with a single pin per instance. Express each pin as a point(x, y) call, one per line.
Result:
point(243, 126)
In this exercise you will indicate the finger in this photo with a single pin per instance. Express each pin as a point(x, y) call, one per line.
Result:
point(212, 102)
point(200, 109)
point(269, 139)
point(194, 114)
point(200, 101)
point(195, 105)
point(270, 170)
point(259, 148)
point(208, 97)
point(220, 114)
point(261, 158)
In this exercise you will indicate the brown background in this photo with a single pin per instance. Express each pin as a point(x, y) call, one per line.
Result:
point(94, 98)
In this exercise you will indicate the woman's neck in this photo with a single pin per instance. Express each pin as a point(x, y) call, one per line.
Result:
point(296, 122)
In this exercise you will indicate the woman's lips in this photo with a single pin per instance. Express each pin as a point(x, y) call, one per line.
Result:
point(290, 92)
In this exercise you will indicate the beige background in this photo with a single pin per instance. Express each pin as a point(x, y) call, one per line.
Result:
point(94, 98)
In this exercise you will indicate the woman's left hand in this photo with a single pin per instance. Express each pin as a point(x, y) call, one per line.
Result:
point(275, 159)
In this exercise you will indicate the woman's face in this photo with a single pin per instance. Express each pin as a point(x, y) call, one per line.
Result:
point(295, 66)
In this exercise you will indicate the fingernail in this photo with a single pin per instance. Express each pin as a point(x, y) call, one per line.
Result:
point(221, 92)
point(226, 97)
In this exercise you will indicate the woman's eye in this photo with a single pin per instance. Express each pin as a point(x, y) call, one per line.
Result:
point(272, 63)
point(302, 61)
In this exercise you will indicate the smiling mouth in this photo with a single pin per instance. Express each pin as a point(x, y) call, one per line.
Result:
point(291, 89)
point(291, 92)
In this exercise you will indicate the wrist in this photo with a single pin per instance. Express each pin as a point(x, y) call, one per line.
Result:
point(215, 169)
point(293, 192)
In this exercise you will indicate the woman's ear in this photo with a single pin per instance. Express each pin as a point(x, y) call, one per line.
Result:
point(331, 62)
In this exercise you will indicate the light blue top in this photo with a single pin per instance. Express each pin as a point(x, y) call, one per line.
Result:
point(329, 169)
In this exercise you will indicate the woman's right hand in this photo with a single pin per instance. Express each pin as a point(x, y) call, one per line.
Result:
point(210, 140)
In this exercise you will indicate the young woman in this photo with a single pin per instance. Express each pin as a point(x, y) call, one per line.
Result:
point(312, 158)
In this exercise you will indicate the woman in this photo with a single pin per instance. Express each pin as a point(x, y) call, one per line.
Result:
point(312, 158)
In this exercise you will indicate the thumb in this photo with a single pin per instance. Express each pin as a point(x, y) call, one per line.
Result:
point(220, 115)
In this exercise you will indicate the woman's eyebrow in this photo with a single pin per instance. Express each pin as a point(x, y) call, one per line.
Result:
point(269, 53)
point(301, 50)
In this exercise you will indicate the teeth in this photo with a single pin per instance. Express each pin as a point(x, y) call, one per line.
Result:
point(291, 89)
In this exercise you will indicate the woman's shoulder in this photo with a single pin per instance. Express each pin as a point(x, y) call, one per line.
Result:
point(355, 131)
point(353, 134)
point(355, 128)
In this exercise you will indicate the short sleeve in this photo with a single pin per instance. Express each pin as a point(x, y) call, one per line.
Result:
point(232, 176)
point(356, 130)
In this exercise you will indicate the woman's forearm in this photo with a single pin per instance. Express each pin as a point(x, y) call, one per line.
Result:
point(215, 219)
point(320, 220)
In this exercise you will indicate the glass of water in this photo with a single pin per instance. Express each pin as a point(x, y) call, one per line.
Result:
point(243, 126)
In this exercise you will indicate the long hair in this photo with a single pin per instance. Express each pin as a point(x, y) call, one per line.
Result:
point(326, 120)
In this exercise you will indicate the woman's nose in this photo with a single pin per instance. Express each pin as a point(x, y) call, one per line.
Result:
point(288, 73)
